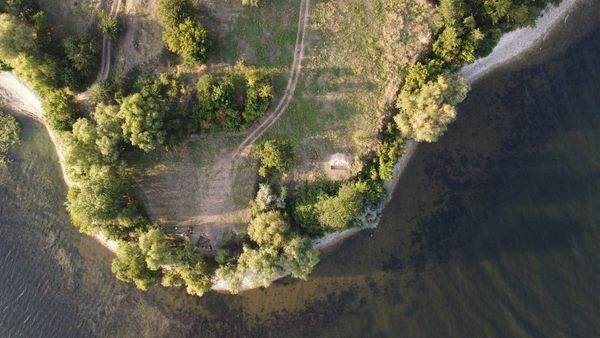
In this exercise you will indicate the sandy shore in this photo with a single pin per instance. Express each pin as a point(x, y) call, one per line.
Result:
point(514, 44)
point(23, 98)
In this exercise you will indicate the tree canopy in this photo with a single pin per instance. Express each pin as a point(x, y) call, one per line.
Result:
point(425, 113)
point(130, 266)
point(274, 156)
point(60, 109)
point(183, 34)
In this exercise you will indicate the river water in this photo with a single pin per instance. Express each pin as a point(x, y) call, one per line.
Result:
point(492, 232)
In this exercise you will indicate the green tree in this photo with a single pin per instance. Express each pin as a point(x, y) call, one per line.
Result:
point(187, 39)
point(38, 71)
point(109, 132)
point(110, 26)
point(191, 270)
point(451, 12)
point(274, 155)
point(336, 212)
point(80, 149)
point(9, 135)
point(173, 12)
point(99, 198)
point(299, 257)
point(157, 249)
point(143, 124)
point(83, 52)
point(452, 49)
point(250, 2)
point(197, 277)
point(60, 109)
point(261, 264)
point(258, 94)
point(269, 229)
point(15, 38)
point(425, 113)
point(130, 267)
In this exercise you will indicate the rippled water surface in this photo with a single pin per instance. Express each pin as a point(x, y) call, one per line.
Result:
point(492, 232)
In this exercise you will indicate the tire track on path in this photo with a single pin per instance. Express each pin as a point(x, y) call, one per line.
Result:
point(107, 47)
point(218, 197)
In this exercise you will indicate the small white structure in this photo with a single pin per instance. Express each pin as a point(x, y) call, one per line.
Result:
point(337, 166)
point(339, 161)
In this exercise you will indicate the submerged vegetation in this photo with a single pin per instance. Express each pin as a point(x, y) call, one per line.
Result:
point(154, 111)
point(9, 136)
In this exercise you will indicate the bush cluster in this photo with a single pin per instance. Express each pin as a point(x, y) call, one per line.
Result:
point(233, 102)
point(466, 29)
point(183, 34)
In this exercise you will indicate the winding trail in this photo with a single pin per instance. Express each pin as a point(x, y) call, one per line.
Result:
point(218, 197)
point(106, 46)
point(291, 86)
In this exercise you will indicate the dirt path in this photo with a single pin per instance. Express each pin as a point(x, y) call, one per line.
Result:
point(291, 86)
point(106, 47)
point(217, 206)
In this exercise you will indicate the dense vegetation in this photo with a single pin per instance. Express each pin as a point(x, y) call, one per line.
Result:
point(147, 111)
point(274, 156)
point(9, 136)
point(183, 34)
point(235, 101)
point(465, 29)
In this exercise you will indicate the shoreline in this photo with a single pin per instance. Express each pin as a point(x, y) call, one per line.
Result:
point(26, 101)
point(511, 46)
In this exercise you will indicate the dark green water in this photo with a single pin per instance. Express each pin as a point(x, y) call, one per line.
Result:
point(492, 232)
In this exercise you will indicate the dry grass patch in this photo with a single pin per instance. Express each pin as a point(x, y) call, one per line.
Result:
point(356, 56)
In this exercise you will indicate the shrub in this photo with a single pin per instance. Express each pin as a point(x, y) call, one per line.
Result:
point(425, 114)
point(337, 212)
point(83, 52)
point(305, 211)
point(130, 266)
point(216, 101)
point(274, 156)
point(388, 153)
point(60, 109)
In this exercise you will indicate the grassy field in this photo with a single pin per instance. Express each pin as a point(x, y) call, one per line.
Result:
point(354, 62)
point(175, 186)
point(357, 55)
